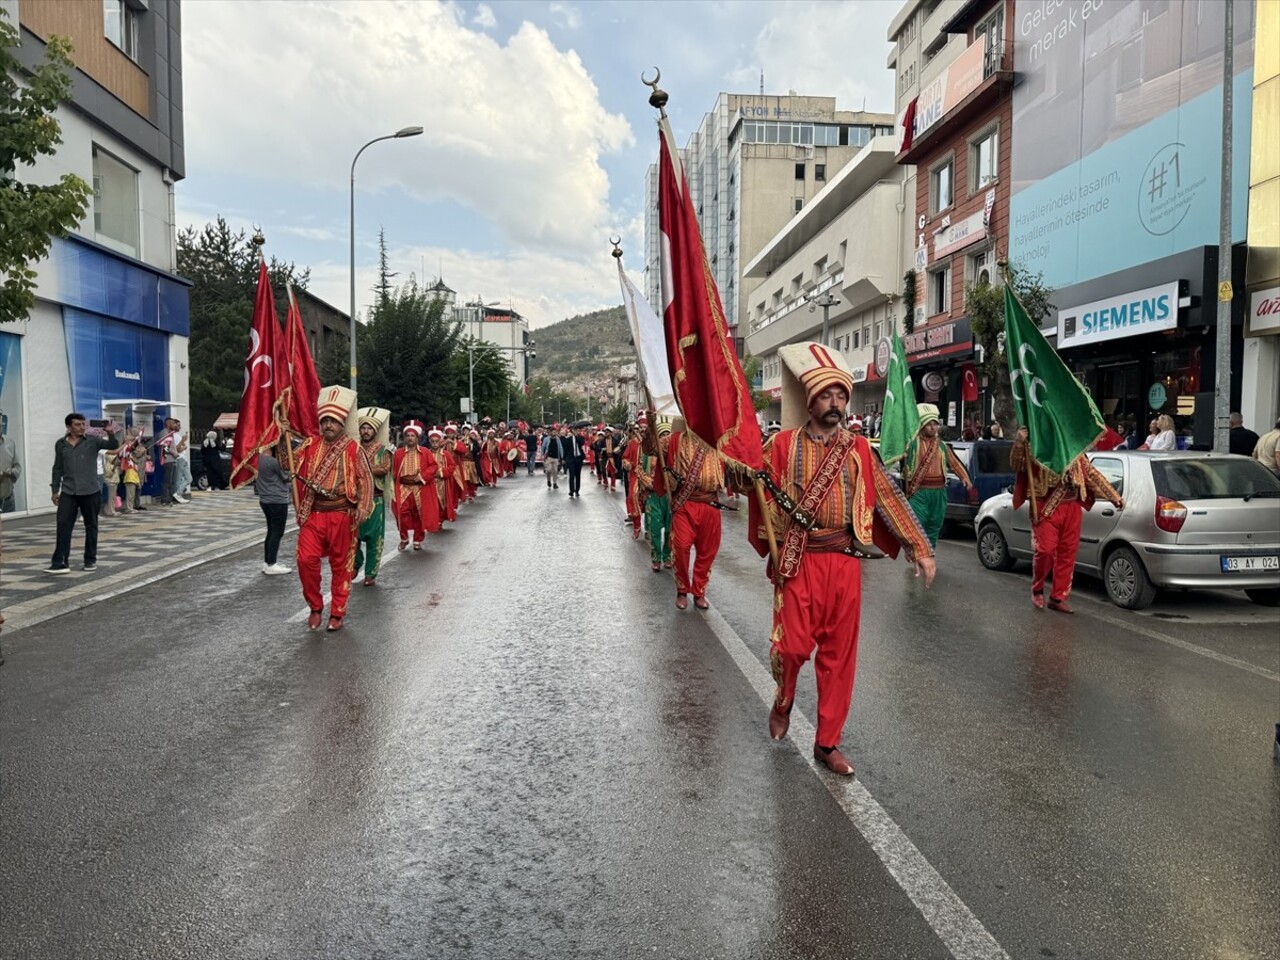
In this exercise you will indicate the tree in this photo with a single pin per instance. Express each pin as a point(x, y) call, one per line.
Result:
point(618, 412)
point(31, 215)
point(333, 365)
point(984, 302)
point(405, 353)
point(222, 266)
point(760, 399)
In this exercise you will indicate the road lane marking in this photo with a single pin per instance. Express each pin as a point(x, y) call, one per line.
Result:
point(1186, 645)
point(948, 916)
point(389, 553)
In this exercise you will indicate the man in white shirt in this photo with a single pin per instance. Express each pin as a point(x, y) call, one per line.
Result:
point(169, 445)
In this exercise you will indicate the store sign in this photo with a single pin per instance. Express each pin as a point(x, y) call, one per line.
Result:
point(1143, 311)
point(959, 79)
point(860, 374)
point(959, 234)
point(884, 353)
point(1264, 311)
point(775, 393)
point(938, 340)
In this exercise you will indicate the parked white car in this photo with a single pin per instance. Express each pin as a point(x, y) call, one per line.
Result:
point(1190, 521)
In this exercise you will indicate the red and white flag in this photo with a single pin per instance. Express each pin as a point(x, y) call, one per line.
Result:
point(264, 379)
point(709, 383)
point(304, 384)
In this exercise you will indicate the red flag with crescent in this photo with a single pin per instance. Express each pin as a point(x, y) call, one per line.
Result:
point(969, 383)
point(265, 374)
point(304, 384)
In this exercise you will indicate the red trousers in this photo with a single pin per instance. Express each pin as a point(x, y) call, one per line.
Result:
point(1056, 541)
point(332, 535)
point(419, 522)
point(695, 526)
point(821, 606)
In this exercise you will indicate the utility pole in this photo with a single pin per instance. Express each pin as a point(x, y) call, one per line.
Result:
point(1222, 373)
point(826, 301)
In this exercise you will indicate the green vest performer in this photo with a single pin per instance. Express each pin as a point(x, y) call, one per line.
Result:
point(375, 436)
point(657, 504)
point(924, 473)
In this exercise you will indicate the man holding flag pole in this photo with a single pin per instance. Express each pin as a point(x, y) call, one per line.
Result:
point(1060, 422)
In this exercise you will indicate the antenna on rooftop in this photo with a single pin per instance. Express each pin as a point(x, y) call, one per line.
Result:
point(762, 82)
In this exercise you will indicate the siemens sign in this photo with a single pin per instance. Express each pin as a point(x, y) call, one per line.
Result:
point(1143, 311)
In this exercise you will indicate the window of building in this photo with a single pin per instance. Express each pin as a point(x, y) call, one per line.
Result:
point(939, 290)
point(819, 267)
point(796, 282)
point(983, 258)
point(799, 171)
point(866, 333)
point(115, 203)
point(993, 29)
point(820, 172)
point(857, 339)
point(777, 298)
point(120, 26)
point(940, 186)
point(844, 245)
point(983, 159)
point(799, 204)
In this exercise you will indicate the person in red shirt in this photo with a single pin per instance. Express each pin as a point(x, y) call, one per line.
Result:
point(417, 505)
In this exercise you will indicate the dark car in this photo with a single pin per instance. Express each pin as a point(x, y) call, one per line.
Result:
point(988, 464)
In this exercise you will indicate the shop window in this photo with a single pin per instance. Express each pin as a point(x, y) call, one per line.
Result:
point(940, 186)
point(115, 203)
point(939, 290)
point(983, 160)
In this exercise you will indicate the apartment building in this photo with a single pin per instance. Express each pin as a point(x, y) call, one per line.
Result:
point(501, 327)
point(109, 331)
point(753, 164)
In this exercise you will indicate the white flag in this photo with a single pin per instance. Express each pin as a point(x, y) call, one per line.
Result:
point(651, 348)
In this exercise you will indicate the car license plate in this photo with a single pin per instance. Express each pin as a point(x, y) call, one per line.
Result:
point(1248, 564)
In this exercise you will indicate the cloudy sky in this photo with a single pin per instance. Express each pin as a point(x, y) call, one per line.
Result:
point(538, 132)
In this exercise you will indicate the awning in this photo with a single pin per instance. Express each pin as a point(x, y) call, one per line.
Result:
point(226, 421)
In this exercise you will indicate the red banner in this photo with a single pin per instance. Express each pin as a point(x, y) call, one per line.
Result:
point(264, 376)
point(969, 383)
point(709, 383)
point(303, 382)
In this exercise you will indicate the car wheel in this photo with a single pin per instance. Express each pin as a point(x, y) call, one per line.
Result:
point(1126, 580)
point(202, 483)
point(1264, 596)
point(993, 549)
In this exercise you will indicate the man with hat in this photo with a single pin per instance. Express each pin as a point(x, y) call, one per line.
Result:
point(446, 489)
point(924, 472)
point(631, 463)
point(375, 441)
point(465, 457)
point(833, 504)
point(335, 496)
point(653, 490)
point(698, 476)
point(415, 470)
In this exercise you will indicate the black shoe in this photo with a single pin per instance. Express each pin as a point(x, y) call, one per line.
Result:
point(90, 567)
point(556, 485)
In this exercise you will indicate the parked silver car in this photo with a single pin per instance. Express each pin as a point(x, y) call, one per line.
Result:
point(1190, 520)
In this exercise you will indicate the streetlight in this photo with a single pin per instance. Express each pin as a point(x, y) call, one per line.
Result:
point(398, 135)
point(826, 301)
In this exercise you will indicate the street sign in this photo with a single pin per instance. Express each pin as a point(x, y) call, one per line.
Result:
point(1224, 292)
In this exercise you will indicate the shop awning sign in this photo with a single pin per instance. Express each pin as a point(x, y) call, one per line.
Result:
point(1264, 311)
point(950, 338)
point(1143, 311)
point(959, 234)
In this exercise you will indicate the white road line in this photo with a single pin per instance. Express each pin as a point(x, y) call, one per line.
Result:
point(389, 553)
point(947, 915)
point(1175, 642)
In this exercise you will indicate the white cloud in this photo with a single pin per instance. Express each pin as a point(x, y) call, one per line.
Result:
point(484, 17)
point(514, 132)
point(566, 15)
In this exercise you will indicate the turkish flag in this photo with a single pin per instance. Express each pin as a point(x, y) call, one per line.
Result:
point(710, 386)
point(969, 383)
point(264, 376)
point(303, 381)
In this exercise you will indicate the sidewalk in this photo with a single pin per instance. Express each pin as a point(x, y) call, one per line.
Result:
point(133, 550)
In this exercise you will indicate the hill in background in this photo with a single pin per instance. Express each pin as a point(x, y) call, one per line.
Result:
point(583, 349)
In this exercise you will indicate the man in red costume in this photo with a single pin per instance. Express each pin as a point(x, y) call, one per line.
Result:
point(489, 460)
point(836, 505)
point(335, 496)
point(417, 506)
point(696, 477)
point(446, 489)
point(1057, 506)
point(631, 457)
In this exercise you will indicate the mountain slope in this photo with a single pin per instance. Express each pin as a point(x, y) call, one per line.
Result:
point(583, 349)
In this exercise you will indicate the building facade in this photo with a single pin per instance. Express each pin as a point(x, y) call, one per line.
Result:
point(752, 165)
point(108, 334)
point(501, 327)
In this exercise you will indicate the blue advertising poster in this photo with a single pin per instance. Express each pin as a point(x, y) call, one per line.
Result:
point(13, 494)
point(1117, 132)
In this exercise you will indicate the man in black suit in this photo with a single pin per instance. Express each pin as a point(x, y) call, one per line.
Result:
point(574, 454)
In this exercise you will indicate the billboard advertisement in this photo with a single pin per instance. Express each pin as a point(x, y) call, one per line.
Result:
point(1117, 132)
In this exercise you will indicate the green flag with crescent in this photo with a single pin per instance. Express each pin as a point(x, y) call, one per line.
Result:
point(901, 419)
point(1061, 418)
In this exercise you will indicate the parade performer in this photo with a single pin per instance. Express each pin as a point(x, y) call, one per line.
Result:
point(504, 447)
point(631, 457)
point(446, 489)
point(489, 460)
point(465, 452)
point(696, 476)
point(375, 438)
point(417, 512)
point(834, 505)
point(334, 496)
point(924, 472)
point(452, 444)
point(1058, 503)
point(653, 491)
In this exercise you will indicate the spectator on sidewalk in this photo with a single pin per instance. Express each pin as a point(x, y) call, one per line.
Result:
point(1267, 450)
point(10, 469)
point(211, 456)
point(167, 454)
point(1240, 439)
point(133, 468)
point(272, 487)
point(76, 490)
point(183, 485)
point(109, 474)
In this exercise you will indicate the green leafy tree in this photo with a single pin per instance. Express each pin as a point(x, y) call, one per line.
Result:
point(984, 303)
point(222, 266)
point(618, 412)
point(492, 379)
point(406, 352)
point(31, 215)
point(760, 399)
point(333, 365)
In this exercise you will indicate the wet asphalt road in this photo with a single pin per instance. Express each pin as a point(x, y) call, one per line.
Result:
point(519, 748)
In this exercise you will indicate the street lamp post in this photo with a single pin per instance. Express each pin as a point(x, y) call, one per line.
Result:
point(826, 301)
point(398, 135)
